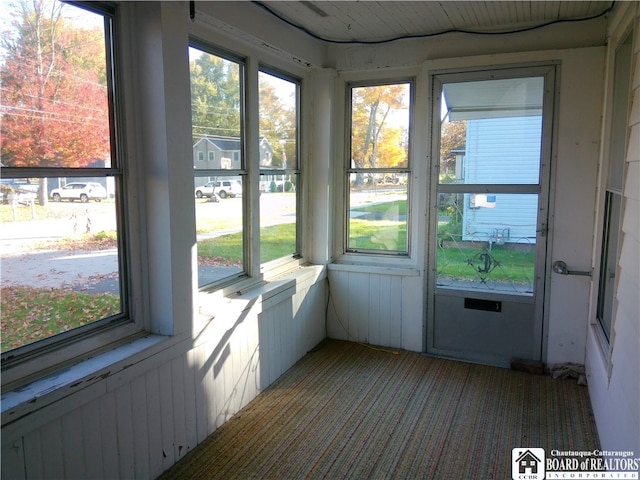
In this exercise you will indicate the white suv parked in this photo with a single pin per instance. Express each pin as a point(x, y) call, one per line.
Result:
point(223, 189)
point(83, 191)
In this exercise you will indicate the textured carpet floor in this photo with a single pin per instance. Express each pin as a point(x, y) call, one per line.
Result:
point(348, 411)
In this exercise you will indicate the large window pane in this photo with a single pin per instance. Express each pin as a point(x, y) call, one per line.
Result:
point(378, 172)
point(279, 168)
point(378, 213)
point(219, 175)
point(60, 246)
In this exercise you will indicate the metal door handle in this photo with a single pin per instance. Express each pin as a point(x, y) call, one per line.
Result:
point(561, 268)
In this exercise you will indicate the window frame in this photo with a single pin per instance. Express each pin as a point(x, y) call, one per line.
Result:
point(613, 176)
point(349, 170)
point(26, 362)
point(245, 275)
point(293, 260)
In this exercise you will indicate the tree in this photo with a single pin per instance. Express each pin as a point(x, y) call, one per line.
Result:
point(453, 136)
point(375, 141)
point(55, 108)
point(277, 99)
point(215, 96)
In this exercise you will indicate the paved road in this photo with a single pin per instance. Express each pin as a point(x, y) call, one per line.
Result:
point(80, 270)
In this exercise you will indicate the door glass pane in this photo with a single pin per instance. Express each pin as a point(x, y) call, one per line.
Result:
point(487, 241)
point(491, 131)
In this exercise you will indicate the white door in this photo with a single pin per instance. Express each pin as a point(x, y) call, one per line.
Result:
point(489, 213)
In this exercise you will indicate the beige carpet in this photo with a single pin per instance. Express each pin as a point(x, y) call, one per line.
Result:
point(348, 411)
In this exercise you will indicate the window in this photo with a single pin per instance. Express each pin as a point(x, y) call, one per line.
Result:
point(378, 169)
point(279, 166)
point(61, 193)
point(217, 126)
point(612, 217)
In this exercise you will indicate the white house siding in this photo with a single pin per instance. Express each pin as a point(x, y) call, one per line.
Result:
point(502, 150)
point(140, 421)
point(614, 385)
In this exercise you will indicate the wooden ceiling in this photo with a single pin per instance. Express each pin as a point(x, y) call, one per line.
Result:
point(380, 21)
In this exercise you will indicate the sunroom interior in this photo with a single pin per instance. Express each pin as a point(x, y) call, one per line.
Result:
point(457, 179)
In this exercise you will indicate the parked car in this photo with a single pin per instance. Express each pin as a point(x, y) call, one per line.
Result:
point(223, 189)
point(83, 191)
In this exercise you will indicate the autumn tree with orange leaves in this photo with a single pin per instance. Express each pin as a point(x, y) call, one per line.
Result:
point(376, 142)
point(55, 108)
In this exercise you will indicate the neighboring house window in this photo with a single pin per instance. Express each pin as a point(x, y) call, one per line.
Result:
point(279, 166)
point(216, 109)
point(62, 178)
point(201, 156)
point(212, 156)
point(612, 218)
point(378, 168)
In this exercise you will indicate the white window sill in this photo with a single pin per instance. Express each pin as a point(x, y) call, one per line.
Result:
point(375, 269)
point(44, 391)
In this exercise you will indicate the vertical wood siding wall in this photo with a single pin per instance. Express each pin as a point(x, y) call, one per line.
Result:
point(378, 308)
point(615, 387)
point(137, 426)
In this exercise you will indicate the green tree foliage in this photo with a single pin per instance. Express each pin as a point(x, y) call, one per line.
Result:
point(376, 142)
point(453, 137)
point(215, 96)
point(278, 115)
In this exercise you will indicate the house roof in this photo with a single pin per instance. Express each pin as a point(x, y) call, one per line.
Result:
point(226, 144)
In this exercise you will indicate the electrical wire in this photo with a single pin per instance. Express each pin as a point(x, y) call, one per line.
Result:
point(349, 336)
point(434, 34)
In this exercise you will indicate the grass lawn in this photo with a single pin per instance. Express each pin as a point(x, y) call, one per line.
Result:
point(276, 241)
point(513, 265)
point(31, 314)
point(399, 207)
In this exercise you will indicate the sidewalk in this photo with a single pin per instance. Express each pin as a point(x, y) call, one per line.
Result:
point(78, 270)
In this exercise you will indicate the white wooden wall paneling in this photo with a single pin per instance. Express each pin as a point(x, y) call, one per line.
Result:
point(32, 443)
point(197, 363)
point(381, 309)
point(166, 414)
point(91, 440)
point(124, 422)
point(140, 431)
point(152, 390)
point(109, 434)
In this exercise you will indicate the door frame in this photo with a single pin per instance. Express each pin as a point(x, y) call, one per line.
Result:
point(551, 72)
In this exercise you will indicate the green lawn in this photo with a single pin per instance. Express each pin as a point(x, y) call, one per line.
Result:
point(513, 265)
point(31, 314)
point(275, 242)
